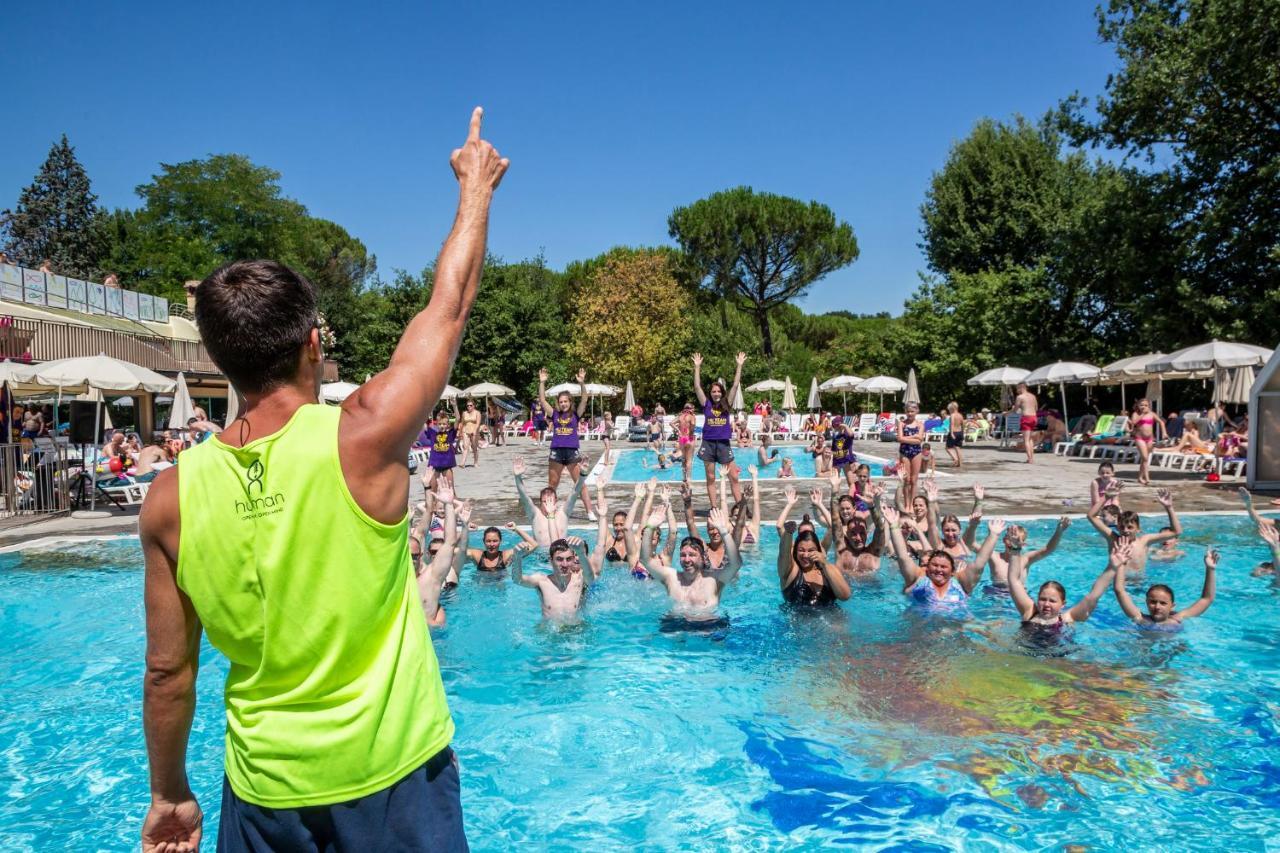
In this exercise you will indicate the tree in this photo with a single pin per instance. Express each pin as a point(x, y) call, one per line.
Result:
point(1197, 85)
point(761, 248)
point(55, 217)
point(631, 323)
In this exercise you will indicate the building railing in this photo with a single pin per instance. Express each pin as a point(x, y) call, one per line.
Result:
point(22, 339)
point(35, 479)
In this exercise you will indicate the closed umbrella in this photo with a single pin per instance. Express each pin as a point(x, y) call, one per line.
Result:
point(629, 398)
point(815, 398)
point(912, 393)
point(182, 409)
point(737, 403)
point(1233, 386)
point(1060, 373)
point(789, 396)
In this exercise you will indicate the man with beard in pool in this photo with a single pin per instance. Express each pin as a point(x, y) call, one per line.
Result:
point(696, 587)
point(285, 539)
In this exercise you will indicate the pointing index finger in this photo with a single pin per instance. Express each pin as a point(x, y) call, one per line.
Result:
point(473, 135)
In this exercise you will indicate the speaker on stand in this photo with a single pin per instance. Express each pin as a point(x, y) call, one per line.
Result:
point(86, 423)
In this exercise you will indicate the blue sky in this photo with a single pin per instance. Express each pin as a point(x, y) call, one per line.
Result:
point(612, 113)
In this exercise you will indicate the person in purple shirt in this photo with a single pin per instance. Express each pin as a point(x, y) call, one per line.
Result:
point(564, 428)
point(717, 429)
point(441, 440)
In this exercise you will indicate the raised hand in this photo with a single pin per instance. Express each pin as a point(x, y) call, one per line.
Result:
point(464, 511)
point(790, 494)
point(1269, 534)
point(473, 527)
point(526, 547)
point(549, 505)
point(686, 493)
point(1120, 555)
point(931, 491)
point(517, 467)
point(719, 520)
point(651, 485)
point(1211, 558)
point(891, 516)
point(602, 502)
point(639, 490)
point(697, 359)
point(1245, 496)
point(542, 375)
point(582, 375)
point(740, 359)
point(1114, 487)
point(979, 491)
point(815, 497)
point(996, 526)
point(753, 471)
point(656, 518)
point(1064, 523)
point(665, 494)
point(477, 164)
point(444, 492)
point(510, 525)
point(1165, 498)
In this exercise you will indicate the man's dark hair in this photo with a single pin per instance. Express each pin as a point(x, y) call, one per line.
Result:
point(253, 317)
point(558, 546)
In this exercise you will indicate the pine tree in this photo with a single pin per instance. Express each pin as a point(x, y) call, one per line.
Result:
point(56, 218)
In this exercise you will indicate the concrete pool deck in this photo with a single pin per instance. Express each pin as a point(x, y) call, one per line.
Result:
point(1053, 486)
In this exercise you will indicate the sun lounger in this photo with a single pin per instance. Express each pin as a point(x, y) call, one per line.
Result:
point(866, 426)
point(755, 424)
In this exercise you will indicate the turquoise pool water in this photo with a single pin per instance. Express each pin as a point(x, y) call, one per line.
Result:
point(629, 464)
point(866, 726)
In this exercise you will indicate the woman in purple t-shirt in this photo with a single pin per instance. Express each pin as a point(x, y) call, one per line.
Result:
point(441, 440)
point(717, 429)
point(563, 424)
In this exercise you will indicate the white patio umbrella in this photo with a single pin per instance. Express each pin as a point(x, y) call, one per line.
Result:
point(844, 384)
point(488, 389)
point(629, 398)
point(881, 385)
point(815, 398)
point(1211, 356)
point(182, 409)
point(336, 392)
point(912, 393)
point(1060, 373)
point(1005, 375)
point(570, 387)
point(1233, 386)
point(450, 393)
point(789, 396)
point(99, 371)
point(766, 385)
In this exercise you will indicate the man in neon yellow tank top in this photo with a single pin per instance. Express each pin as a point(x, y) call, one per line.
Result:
point(285, 540)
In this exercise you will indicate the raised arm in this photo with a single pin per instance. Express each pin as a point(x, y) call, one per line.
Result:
point(382, 417)
point(786, 533)
point(1165, 497)
point(1112, 491)
point(517, 566)
point(907, 567)
point(790, 494)
point(517, 470)
point(697, 379)
point(1271, 536)
point(673, 532)
point(432, 577)
point(1083, 609)
point(1247, 499)
point(1119, 559)
point(690, 520)
point(975, 517)
point(1207, 593)
point(732, 558)
point(654, 566)
point(754, 521)
point(603, 533)
point(1018, 587)
point(547, 408)
point(739, 360)
point(582, 392)
point(580, 551)
point(524, 537)
point(836, 580)
point(933, 534)
point(1052, 544)
point(572, 501)
point(972, 572)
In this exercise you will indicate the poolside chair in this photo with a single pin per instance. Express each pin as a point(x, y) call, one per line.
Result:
point(420, 455)
point(977, 433)
point(755, 423)
point(1012, 426)
point(866, 426)
point(126, 494)
point(621, 426)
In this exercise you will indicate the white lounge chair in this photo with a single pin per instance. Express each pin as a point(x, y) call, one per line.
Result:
point(621, 426)
point(755, 423)
point(867, 426)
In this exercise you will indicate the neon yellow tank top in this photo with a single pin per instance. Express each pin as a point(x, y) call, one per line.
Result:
point(334, 690)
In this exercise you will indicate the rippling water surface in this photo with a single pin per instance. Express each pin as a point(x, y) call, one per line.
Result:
point(629, 464)
point(865, 726)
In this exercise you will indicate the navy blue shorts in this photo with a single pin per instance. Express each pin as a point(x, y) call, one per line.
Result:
point(422, 811)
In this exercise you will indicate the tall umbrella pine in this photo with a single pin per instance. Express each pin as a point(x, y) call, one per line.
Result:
point(761, 249)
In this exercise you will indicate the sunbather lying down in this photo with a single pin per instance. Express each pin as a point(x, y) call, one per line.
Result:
point(1191, 441)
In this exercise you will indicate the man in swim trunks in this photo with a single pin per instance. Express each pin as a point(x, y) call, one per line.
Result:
point(717, 427)
point(1026, 406)
point(561, 591)
point(696, 587)
point(285, 541)
point(548, 518)
point(564, 429)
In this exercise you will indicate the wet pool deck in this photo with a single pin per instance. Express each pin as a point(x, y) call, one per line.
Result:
point(1013, 488)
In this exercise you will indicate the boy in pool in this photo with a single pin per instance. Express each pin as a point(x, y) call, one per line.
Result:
point(695, 587)
point(561, 591)
point(1015, 543)
point(1160, 613)
point(1130, 528)
point(549, 518)
point(1168, 550)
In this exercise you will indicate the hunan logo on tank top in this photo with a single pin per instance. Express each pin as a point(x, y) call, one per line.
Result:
point(251, 507)
point(564, 424)
point(442, 442)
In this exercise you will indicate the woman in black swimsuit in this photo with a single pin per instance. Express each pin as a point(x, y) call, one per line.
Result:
point(807, 580)
point(493, 558)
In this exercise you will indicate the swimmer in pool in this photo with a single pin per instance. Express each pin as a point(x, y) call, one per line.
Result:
point(1271, 536)
point(1015, 546)
point(1100, 485)
point(432, 569)
point(786, 471)
point(936, 580)
point(805, 576)
point(1160, 612)
point(766, 454)
point(493, 557)
point(561, 591)
point(854, 553)
point(714, 544)
point(695, 587)
point(548, 518)
point(1130, 528)
point(1168, 550)
point(1049, 609)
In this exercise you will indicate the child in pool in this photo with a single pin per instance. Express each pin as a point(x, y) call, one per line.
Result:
point(1130, 527)
point(1168, 550)
point(1100, 485)
point(786, 472)
point(1160, 613)
point(1049, 609)
point(1271, 536)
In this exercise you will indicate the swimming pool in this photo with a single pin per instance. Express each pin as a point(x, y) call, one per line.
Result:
point(629, 464)
point(864, 726)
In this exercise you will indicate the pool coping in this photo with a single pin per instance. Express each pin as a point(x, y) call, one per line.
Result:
point(600, 467)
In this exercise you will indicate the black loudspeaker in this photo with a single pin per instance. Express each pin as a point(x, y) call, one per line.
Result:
point(82, 429)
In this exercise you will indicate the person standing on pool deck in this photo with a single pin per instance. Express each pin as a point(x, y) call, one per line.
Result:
point(1027, 407)
point(564, 429)
point(286, 540)
point(717, 428)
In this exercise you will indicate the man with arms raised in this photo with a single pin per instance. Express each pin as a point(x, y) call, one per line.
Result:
point(695, 587)
point(562, 590)
point(285, 539)
point(1027, 407)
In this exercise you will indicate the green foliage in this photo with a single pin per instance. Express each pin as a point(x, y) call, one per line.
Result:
point(760, 248)
point(56, 217)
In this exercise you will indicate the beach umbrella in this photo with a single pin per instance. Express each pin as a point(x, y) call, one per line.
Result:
point(1005, 375)
point(766, 385)
point(93, 395)
point(1061, 373)
point(912, 392)
point(1233, 386)
point(844, 384)
point(99, 371)
point(815, 399)
point(789, 396)
point(570, 387)
point(881, 385)
point(488, 389)
point(629, 398)
point(182, 409)
point(1211, 356)
point(450, 393)
point(737, 403)
point(336, 392)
